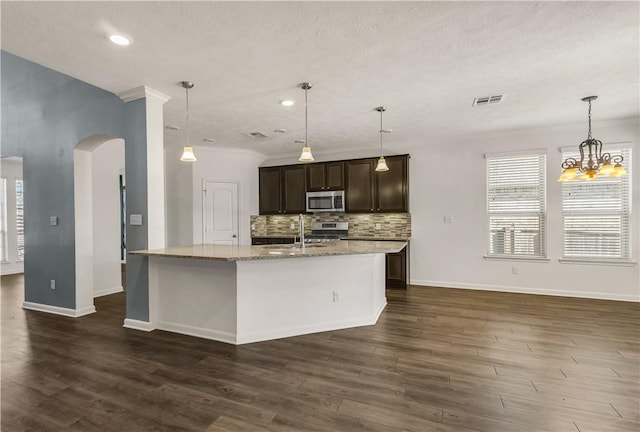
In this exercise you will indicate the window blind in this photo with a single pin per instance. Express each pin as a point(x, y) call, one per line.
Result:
point(516, 205)
point(3, 220)
point(20, 218)
point(596, 213)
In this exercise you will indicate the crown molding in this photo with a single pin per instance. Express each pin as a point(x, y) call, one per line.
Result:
point(143, 92)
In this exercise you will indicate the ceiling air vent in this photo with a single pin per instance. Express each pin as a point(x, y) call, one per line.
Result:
point(256, 135)
point(488, 100)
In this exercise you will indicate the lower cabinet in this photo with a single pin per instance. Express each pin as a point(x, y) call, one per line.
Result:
point(256, 241)
point(396, 269)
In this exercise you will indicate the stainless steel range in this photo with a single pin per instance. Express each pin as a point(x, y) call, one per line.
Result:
point(327, 231)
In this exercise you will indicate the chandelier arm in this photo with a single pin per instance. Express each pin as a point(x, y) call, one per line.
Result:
point(616, 159)
point(570, 163)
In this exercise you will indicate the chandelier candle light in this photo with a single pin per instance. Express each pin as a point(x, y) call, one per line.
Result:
point(187, 154)
point(382, 163)
point(306, 155)
point(596, 164)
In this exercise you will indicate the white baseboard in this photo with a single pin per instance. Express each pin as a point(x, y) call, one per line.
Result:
point(107, 291)
point(138, 325)
point(74, 313)
point(527, 290)
point(197, 332)
point(6, 271)
point(231, 338)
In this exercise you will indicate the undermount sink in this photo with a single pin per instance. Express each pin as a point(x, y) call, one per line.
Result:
point(293, 246)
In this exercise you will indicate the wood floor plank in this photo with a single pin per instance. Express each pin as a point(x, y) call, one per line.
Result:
point(439, 360)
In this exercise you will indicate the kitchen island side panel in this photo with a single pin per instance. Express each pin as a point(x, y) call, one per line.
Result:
point(194, 297)
point(289, 297)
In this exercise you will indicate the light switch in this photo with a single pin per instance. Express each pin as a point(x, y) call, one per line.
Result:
point(135, 219)
point(448, 219)
point(53, 220)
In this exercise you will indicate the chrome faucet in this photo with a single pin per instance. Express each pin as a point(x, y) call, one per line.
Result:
point(301, 227)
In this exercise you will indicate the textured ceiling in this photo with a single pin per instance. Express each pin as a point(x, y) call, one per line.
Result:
point(425, 61)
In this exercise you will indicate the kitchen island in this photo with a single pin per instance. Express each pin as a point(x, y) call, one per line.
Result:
point(243, 294)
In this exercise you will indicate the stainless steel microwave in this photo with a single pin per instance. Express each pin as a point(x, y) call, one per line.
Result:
point(327, 201)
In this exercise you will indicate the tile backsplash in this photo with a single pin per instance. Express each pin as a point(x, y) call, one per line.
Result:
point(391, 225)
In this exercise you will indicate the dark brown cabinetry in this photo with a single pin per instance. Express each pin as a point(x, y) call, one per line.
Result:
point(392, 186)
point(359, 186)
point(325, 176)
point(282, 189)
point(271, 240)
point(293, 189)
point(370, 191)
point(396, 269)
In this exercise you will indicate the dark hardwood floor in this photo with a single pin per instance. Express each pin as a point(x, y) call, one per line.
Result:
point(438, 360)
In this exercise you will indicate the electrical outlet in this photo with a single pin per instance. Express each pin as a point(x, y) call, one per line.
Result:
point(253, 227)
point(292, 226)
point(336, 296)
point(53, 220)
point(378, 226)
point(515, 270)
point(53, 284)
point(448, 219)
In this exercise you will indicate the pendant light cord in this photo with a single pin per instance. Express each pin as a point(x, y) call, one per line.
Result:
point(306, 126)
point(380, 133)
point(186, 89)
point(589, 137)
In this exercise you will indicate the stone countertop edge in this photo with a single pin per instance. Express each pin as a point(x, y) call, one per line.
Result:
point(364, 238)
point(244, 253)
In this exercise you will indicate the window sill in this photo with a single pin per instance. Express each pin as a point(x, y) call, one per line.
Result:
point(605, 262)
point(516, 258)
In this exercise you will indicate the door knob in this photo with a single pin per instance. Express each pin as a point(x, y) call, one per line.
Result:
point(234, 236)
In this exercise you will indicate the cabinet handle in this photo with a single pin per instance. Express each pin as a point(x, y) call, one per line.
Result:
point(378, 208)
point(371, 209)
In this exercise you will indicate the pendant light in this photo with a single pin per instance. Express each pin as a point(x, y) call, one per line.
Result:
point(596, 164)
point(382, 164)
point(306, 155)
point(187, 154)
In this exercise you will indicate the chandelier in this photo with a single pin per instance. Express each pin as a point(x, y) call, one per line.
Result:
point(594, 163)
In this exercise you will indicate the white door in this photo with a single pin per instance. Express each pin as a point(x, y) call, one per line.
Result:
point(221, 213)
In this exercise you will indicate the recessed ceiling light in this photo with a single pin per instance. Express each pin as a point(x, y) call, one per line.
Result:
point(119, 39)
point(172, 127)
point(209, 140)
point(300, 141)
point(280, 130)
point(287, 102)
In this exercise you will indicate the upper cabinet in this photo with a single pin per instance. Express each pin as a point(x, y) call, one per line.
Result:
point(270, 190)
point(282, 190)
point(325, 176)
point(392, 187)
point(370, 191)
point(359, 186)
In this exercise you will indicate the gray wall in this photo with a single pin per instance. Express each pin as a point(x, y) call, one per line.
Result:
point(45, 114)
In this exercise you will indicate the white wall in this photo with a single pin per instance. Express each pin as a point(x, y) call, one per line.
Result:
point(107, 164)
point(447, 178)
point(227, 165)
point(179, 198)
point(11, 169)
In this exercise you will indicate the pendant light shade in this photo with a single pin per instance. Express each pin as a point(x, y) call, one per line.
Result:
point(382, 163)
point(187, 153)
point(306, 155)
point(593, 162)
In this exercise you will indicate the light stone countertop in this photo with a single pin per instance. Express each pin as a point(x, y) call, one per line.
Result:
point(239, 253)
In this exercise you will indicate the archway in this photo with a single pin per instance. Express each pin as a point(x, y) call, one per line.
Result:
point(98, 174)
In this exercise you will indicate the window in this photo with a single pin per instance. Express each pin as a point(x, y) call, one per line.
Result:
point(596, 213)
point(3, 220)
point(516, 205)
point(20, 218)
